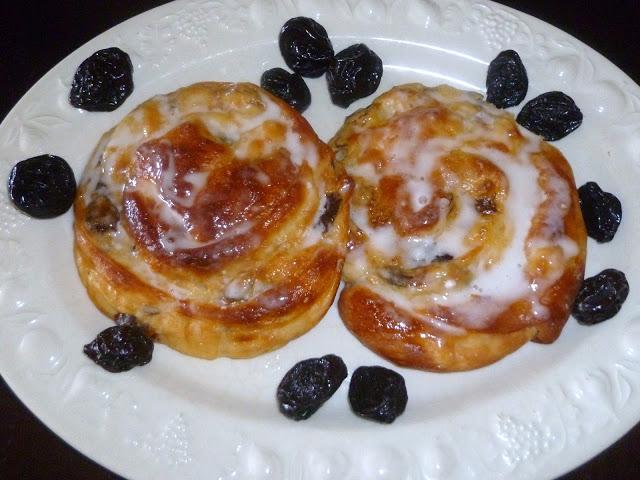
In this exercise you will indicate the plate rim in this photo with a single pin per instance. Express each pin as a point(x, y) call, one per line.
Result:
point(54, 424)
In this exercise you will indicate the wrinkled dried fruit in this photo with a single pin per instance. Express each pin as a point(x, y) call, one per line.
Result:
point(309, 384)
point(377, 393)
point(552, 115)
point(305, 46)
point(43, 186)
point(602, 212)
point(507, 80)
point(120, 348)
point(601, 297)
point(290, 87)
point(331, 208)
point(103, 81)
point(355, 73)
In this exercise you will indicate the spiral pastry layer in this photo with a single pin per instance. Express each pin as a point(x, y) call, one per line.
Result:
point(466, 240)
point(214, 215)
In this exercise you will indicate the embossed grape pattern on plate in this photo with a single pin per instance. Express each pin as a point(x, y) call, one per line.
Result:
point(536, 414)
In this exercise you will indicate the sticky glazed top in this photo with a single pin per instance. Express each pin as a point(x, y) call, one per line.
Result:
point(459, 219)
point(210, 182)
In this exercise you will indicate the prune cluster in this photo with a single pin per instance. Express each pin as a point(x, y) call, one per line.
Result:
point(601, 297)
point(353, 73)
point(42, 186)
point(602, 212)
point(376, 393)
point(121, 347)
point(554, 115)
point(103, 81)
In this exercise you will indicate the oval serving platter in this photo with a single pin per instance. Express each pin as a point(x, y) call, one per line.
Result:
point(537, 413)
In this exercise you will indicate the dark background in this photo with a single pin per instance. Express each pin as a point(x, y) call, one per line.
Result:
point(35, 35)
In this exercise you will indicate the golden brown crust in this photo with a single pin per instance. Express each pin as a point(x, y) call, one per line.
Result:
point(408, 341)
point(458, 255)
point(203, 213)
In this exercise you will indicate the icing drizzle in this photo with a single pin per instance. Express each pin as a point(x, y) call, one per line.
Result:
point(444, 175)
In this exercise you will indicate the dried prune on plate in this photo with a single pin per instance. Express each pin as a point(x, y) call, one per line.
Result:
point(552, 115)
point(600, 297)
point(310, 383)
point(355, 73)
point(507, 81)
point(103, 81)
point(602, 212)
point(290, 87)
point(305, 46)
point(120, 348)
point(377, 393)
point(42, 186)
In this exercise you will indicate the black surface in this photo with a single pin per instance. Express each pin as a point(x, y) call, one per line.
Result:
point(35, 35)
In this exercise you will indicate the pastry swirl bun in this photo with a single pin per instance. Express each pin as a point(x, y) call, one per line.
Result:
point(467, 238)
point(214, 215)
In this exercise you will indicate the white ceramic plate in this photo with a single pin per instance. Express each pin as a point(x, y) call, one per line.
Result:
point(538, 413)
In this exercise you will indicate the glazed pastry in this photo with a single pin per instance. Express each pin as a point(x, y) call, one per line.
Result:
point(213, 215)
point(466, 235)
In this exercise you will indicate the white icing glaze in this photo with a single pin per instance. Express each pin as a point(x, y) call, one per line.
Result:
point(313, 234)
point(171, 189)
point(228, 126)
point(497, 282)
point(239, 289)
point(452, 239)
point(198, 180)
point(179, 236)
point(419, 192)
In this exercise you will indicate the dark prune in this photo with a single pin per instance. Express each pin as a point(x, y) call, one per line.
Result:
point(355, 73)
point(120, 348)
point(305, 46)
point(377, 393)
point(552, 115)
point(331, 208)
point(309, 384)
point(600, 297)
point(602, 212)
point(43, 186)
point(290, 87)
point(103, 81)
point(507, 80)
